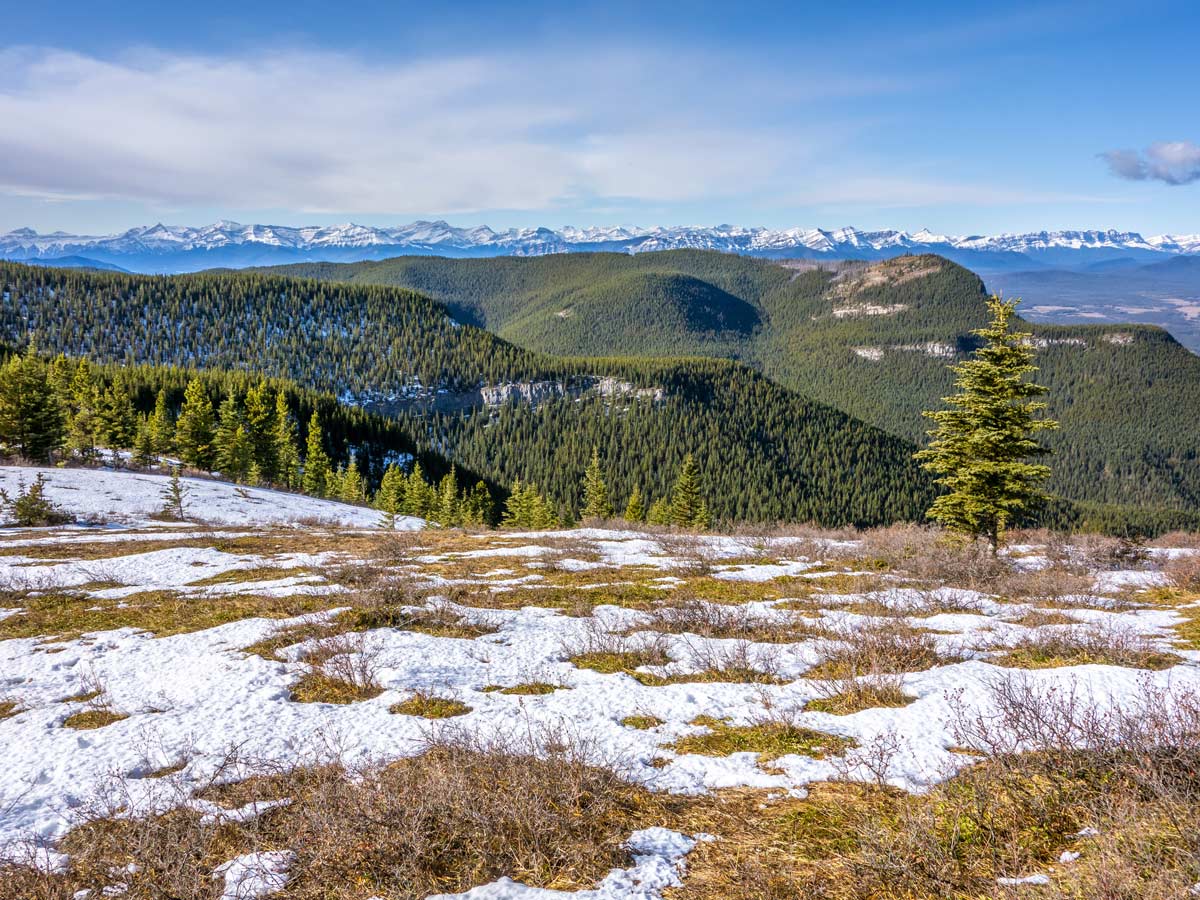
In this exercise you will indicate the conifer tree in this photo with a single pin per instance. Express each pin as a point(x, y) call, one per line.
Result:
point(518, 511)
point(596, 504)
point(982, 446)
point(162, 425)
point(143, 444)
point(333, 482)
point(82, 422)
point(447, 512)
point(685, 498)
point(31, 508)
point(419, 496)
point(660, 512)
point(116, 421)
point(635, 509)
point(173, 496)
point(260, 427)
point(703, 519)
point(60, 374)
point(351, 487)
point(238, 457)
point(229, 420)
point(316, 460)
point(477, 506)
point(195, 432)
point(31, 417)
point(389, 499)
point(285, 444)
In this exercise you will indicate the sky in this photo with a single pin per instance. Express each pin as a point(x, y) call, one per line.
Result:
point(958, 117)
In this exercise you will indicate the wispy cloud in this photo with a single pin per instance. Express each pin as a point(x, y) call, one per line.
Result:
point(331, 133)
point(1172, 162)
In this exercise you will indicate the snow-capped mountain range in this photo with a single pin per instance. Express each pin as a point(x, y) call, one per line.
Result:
point(172, 248)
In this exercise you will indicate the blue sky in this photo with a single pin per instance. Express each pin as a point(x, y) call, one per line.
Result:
point(958, 117)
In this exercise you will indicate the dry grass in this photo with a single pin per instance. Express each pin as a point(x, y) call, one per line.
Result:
point(733, 662)
point(642, 722)
point(1129, 774)
point(261, 573)
point(67, 615)
point(430, 706)
point(1054, 585)
point(1078, 645)
point(453, 818)
point(1036, 618)
point(711, 620)
point(842, 697)
point(769, 738)
point(527, 689)
point(342, 669)
point(873, 648)
point(93, 718)
point(9, 708)
point(1184, 572)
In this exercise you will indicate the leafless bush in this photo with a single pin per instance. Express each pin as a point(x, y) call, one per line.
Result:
point(930, 555)
point(1183, 571)
point(735, 660)
point(1052, 584)
point(692, 556)
point(459, 815)
point(849, 693)
point(1103, 553)
point(873, 648)
point(343, 668)
point(596, 647)
point(1106, 643)
point(688, 615)
point(875, 759)
point(1178, 539)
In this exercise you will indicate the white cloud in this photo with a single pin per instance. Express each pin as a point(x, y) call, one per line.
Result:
point(317, 132)
point(1172, 162)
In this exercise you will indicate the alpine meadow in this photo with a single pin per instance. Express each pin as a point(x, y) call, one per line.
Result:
point(366, 535)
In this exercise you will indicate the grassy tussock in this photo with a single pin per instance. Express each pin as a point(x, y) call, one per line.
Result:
point(642, 723)
point(770, 739)
point(342, 669)
point(93, 718)
point(851, 695)
point(872, 648)
point(430, 706)
point(67, 615)
point(526, 689)
point(453, 818)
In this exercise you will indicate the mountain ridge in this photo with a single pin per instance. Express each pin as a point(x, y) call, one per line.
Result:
point(173, 248)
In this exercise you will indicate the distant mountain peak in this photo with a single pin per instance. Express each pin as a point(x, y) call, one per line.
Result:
point(167, 248)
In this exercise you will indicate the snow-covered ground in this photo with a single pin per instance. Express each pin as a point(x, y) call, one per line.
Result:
point(190, 697)
point(105, 495)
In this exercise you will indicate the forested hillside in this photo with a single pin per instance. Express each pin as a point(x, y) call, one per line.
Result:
point(871, 340)
point(764, 453)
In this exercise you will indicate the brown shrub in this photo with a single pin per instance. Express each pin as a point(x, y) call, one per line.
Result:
point(875, 648)
point(1076, 645)
point(1184, 571)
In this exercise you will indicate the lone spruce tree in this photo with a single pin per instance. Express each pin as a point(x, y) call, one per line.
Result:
point(685, 498)
point(596, 504)
point(317, 472)
point(983, 445)
point(195, 432)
